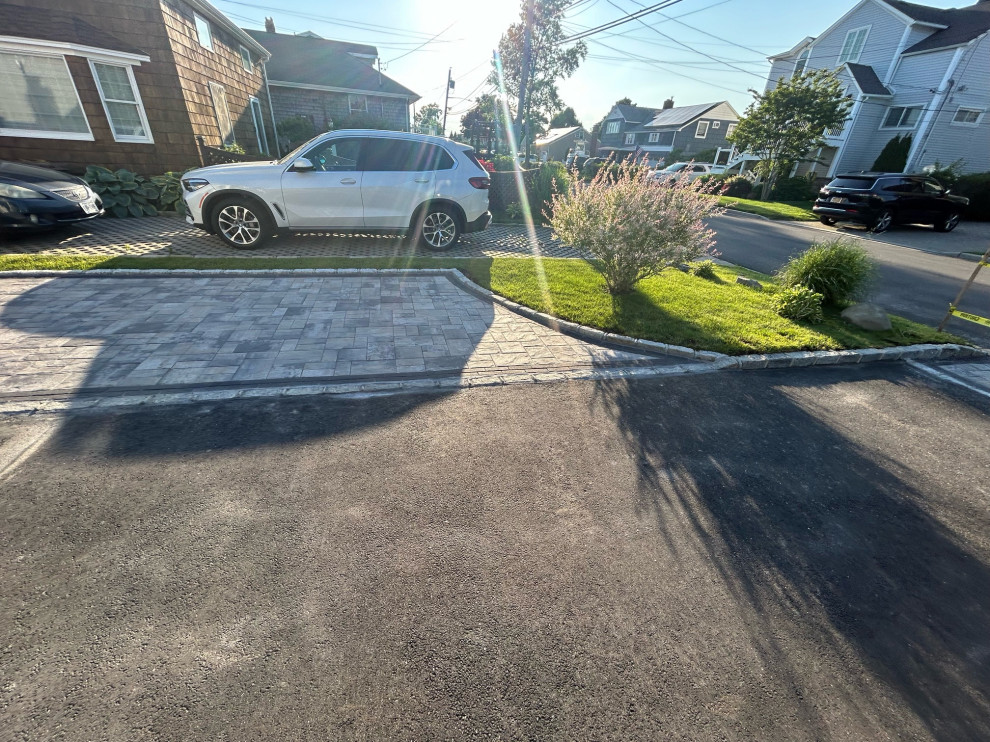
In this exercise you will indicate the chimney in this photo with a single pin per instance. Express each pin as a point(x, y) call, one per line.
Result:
point(668, 104)
point(270, 25)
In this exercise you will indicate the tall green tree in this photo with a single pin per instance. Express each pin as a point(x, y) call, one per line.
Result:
point(429, 119)
point(565, 118)
point(482, 119)
point(783, 125)
point(549, 60)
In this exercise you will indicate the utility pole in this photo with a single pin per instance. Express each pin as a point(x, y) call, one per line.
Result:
point(446, 100)
point(524, 77)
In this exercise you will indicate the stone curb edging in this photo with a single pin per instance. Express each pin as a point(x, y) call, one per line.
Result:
point(714, 360)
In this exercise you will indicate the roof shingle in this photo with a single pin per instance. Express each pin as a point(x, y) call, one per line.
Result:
point(32, 23)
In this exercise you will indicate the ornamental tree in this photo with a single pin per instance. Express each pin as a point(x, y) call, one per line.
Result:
point(783, 125)
point(632, 227)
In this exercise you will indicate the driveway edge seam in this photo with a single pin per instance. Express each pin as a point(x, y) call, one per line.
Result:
point(715, 360)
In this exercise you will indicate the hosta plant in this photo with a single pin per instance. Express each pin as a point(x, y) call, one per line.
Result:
point(123, 193)
point(632, 227)
point(799, 303)
point(169, 187)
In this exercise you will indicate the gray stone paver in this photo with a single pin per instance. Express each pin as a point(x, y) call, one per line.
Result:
point(165, 236)
point(72, 333)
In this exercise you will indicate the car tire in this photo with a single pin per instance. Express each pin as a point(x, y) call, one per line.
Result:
point(438, 228)
point(241, 223)
point(827, 221)
point(883, 221)
point(948, 222)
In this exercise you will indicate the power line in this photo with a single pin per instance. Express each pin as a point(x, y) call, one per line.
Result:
point(412, 51)
point(621, 21)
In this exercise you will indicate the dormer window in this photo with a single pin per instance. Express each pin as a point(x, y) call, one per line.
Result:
point(802, 61)
point(612, 127)
point(852, 48)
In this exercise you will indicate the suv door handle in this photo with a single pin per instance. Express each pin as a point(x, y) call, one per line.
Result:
point(348, 181)
point(421, 180)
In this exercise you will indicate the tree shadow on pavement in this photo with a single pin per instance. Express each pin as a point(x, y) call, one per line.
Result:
point(823, 536)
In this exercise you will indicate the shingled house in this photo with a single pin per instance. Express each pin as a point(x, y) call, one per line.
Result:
point(127, 83)
point(332, 83)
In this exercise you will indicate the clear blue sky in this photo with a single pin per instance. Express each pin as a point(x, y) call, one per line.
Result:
point(641, 63)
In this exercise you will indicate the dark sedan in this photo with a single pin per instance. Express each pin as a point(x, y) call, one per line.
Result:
point(880, 200)
point(36, 197)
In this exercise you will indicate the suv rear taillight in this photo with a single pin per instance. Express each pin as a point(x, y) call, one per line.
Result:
point(480, 183)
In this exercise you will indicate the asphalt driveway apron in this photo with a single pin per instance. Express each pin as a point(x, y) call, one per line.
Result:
point(84, 334)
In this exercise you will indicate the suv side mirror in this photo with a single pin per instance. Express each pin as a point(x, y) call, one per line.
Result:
point(302, 165)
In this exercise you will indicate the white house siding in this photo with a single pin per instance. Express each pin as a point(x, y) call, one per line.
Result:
point(919, 73)
point(780, 68)
point(864, 141)
point(885, 34)
point(949, 142)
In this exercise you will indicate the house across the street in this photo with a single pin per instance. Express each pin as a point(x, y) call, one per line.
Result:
point(556, 144)
point(332, 83)
point(911, 70)
point(128, 83)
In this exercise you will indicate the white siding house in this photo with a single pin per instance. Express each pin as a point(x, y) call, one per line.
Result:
point(910, 69)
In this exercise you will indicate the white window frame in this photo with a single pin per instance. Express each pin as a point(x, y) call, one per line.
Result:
point(654, 137)
point(630, 139)
point(979, 116)
point(850, 41)
point(37, 134)
point(350, 104)
point(216, 87)
point(700, 133)
point(716, 124)
point(246, 60)
point(801, 63)
point(148, 139)
point(197, 20)
point(612, 127)
point(258, 117)
point(730, 130)
point(901, 127)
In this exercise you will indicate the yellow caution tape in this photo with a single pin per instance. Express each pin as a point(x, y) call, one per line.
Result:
point(969, 317)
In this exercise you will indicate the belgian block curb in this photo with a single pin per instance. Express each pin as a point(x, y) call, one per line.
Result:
point(712, 359)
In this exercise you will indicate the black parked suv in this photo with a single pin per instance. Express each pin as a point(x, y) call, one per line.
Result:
point(879, 200)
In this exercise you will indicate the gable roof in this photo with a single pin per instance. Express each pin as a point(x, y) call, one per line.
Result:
point(635, 114)
point(867, 80)
point(681, 115)
point(302, 61)
point(962, 24)
point(33, 23)
point(553, 135)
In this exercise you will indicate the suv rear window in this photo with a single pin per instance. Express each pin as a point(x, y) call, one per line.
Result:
point(862, 184)
point(469, 153)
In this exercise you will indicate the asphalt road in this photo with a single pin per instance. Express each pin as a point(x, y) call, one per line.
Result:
point(747, 556)
point(911, 283)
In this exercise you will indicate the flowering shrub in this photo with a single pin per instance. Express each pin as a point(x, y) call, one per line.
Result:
point(487, 165)
point(635, 228)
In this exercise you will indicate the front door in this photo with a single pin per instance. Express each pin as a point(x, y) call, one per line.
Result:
point(330, 195)
point(398, 175)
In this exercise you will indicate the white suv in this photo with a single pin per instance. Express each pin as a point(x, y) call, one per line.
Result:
point(352, 180)
point(694, 169)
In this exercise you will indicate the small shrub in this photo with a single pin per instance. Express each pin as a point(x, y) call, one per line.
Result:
point(505, 163)
point(514, 210)
point(947, 175)
point(487, 165)
point(799, 303)
point(976, 188)
point(234, 148)
point(295, 130)
point(893, 156)
point(123, 193)
point(755, 192)
point(632, 228)
point(169, 187)
point(793, 189)
point(704, 269)
point(552, 178)
point(738, 187)
point(838, 270)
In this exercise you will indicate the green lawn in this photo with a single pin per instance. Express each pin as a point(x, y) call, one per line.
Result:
point(674, 307)
point(795, 211)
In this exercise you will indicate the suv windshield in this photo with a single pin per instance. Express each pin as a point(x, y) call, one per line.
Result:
point(862, 184)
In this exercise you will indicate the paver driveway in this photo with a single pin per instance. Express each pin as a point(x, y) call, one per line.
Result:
point(166, 235)
point(156, 332)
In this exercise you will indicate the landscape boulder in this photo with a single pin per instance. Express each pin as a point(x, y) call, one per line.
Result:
point(751, 282)
point(867, 316)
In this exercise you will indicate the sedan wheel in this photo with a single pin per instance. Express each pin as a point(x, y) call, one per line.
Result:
point(883, 222)
point(948, 223)
point(827, 221)
point(439, 230)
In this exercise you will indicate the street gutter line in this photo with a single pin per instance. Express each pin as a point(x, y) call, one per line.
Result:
point(942, 376)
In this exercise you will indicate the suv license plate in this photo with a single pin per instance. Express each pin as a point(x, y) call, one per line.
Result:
point(90, 207)
point(838, 200)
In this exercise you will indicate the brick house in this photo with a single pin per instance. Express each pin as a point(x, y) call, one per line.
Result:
point(330, 82)
point(128, 83)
